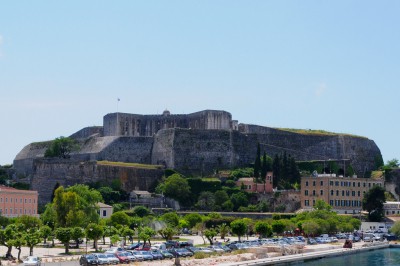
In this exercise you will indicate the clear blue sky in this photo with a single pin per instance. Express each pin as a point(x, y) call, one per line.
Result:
point(332, 65)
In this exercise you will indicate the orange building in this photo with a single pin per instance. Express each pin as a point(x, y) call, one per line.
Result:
point(16, 202)
point(249, 184)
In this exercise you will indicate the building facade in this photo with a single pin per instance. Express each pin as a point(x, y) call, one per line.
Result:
point(16, 202)
point(391, 208)
point(344, 194)
point(105, 211)
point(249, 185)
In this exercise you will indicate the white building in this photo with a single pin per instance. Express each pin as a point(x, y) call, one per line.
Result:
point(391, 208)
point(105, 211)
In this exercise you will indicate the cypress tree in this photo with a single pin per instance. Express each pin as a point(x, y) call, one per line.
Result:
point(264, 167)
point(257, 164)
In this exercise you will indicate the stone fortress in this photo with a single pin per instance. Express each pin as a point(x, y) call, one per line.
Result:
point(193, 144)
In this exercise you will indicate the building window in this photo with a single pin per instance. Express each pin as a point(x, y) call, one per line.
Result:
point(20, 211)
point(337, 183)
point(307, 203)
point(306, 183)
point(337, 192)
point(332, 192)
point(30, 200)
point(322, 192)
point(104, 213)
point(313, 192)
point(364, 184)
point(11, 200)
point(20, 200)
point(342, 193)
point(305, 192)
point(25, 201)
point(313, 183)
point(347, 193)
point(353, 193)
point(331, 202)
point(359, 184)
point(313, 202)
point(331, 183)
point(1, 199)
point(359, 193)
point(322, 183)
point(354, 184)
point(10, 210)
point(25, 211)
point(6, 199)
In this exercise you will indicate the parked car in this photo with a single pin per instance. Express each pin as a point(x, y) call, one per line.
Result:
point(180, 252)
point(114, 249)
point(157, 255)
point(138, 255)
point(146, 255)
point(389, 237)
point(112, 259)
point(368, 239)
point(32, 261)
point(133, 246)
point(121, 256)
point(130, 256)
point(101, 258)
point(166, 254)
point(88, 259)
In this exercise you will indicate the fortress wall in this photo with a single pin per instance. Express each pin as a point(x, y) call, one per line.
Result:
point(123, 124)
point(23, 162)
point(200, 151)
point(204, 151)
point(163, 148)
point(87, 132)
point(128, 149)
point(69, 172)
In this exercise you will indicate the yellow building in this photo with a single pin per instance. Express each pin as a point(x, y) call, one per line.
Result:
point(344, 194)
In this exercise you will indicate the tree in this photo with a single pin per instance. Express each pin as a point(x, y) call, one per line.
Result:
point(76, 234)
point(206, 201)
point(167, 233)
point(263, 229)
point(395, 229)
point(45, 232)
point(120, 218)
point(394, 163)
point(220, 197)
point(61, 147)
point(210, 234)
point(178, 188)
point(373, 203)
point(146, 234)
point(278, 227)
point(193, 219)
point(264, 167)
point(238, 227)
point(49, 216)
point(95, 232)
point(171, 218)
point(87, 202)
point(257, 164)
point(31, 239)
point(6, 237)
point(239, 200)
point(223, 230)
point(64, 235)
point(310, 227)
point(141, 211)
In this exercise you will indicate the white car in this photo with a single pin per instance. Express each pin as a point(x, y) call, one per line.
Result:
point(32, 261)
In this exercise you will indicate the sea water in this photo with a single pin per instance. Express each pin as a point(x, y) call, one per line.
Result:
point(378, 257)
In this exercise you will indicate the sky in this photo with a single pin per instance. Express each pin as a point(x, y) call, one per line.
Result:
point(330, 65)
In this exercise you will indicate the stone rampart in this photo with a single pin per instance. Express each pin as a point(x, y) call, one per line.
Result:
point(67, 172)
point(122, 124)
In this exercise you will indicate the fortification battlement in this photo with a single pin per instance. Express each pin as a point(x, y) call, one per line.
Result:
point(123, 124)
